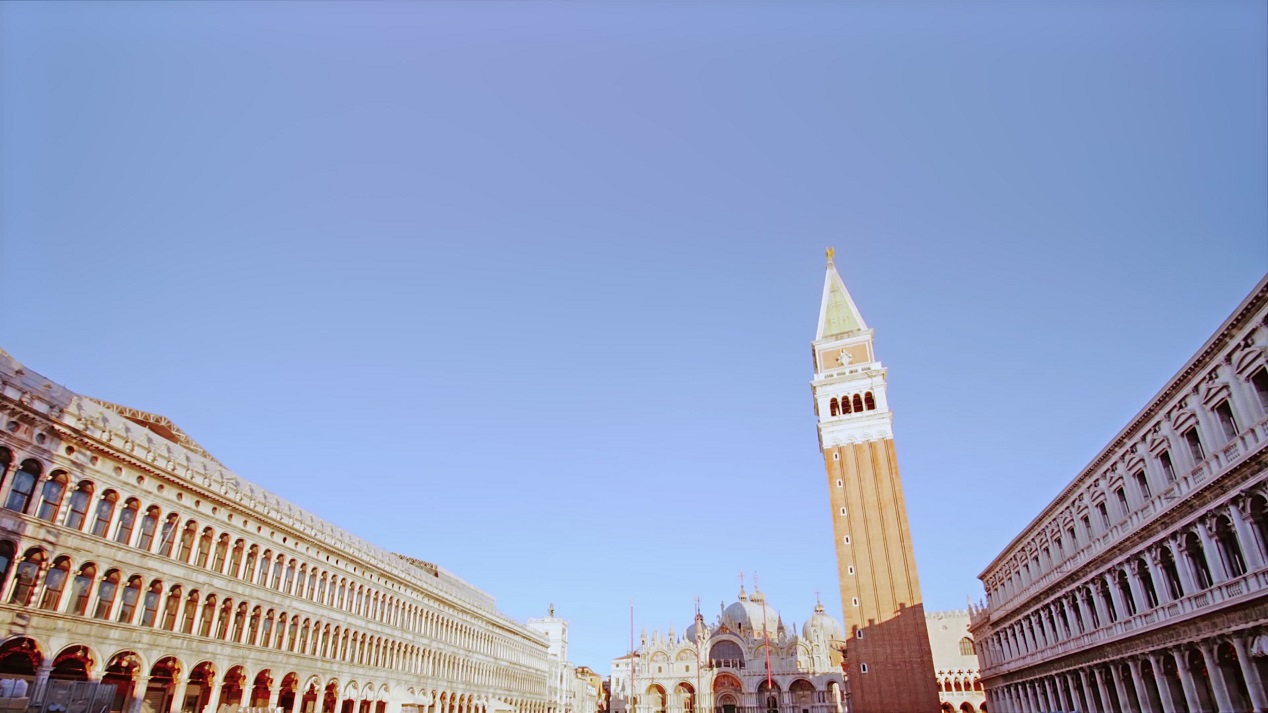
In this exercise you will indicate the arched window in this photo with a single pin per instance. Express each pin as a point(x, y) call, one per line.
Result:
point(265, 562)
point(188, 535)
point(51, 496)
point(191, 612)
point(226, 617)
point(222, 551)
point(277, 571)
point(312, 584)
point(55, 584)
point(209, 616)
point(858, 403)
point(290, 577)
point(150, 605)
point(294, 631)
point(106, 592)
point(235, 559)
point(204, 547)
point(834, 408)
point(131, 595)
point(266, 630)
point(23, 485)
point(966, 647)
point(105, 511)
point(81, 589)
point(149, 525)
point(239, 621)
point(127, 521)
point(79, 501)
point(172, 609)
point(248, 571)
point(167, 538)
point(253, 625)
point(28, 573)
point(1146, 582)
point(845, 405)
point(869, 402)
point(321, 589)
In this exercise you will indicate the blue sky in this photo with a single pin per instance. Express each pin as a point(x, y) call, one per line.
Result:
point(527, 289)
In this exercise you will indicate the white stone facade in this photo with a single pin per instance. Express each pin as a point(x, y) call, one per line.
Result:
point(723, 667)
point(955, 661)
point(129, 555)
point(1144, 585)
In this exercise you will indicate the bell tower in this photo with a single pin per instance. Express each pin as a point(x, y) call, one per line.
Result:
point(889, 662)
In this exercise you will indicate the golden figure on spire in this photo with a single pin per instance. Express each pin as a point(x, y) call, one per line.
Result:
point(831, 252)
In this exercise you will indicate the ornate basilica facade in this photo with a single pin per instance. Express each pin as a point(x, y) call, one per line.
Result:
point(129, 555)
point(723, 667)
point(1144, 585)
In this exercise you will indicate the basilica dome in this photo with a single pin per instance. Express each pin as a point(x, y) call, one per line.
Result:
point(748, 615)
point(822, 623)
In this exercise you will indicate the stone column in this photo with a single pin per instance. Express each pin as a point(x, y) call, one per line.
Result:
point(1142, 690)
point(1254, 685)
point(1087, 690)
point(1102, 614)
point(1190, 686)
point(275, 692)
point(1051, 694)
point(1187, 577)
point(1251, 548)
point(1076, 701)
point(1222, 699)
point(1164, 686)
point(1120, 688)
point(133, 704)
point(1063, 695)
point(1138, 586)
point(1153, 559)
point(1115, 595)
point(1214, 557)
point(1103, 688)
point(179, 685)
point(36, 692)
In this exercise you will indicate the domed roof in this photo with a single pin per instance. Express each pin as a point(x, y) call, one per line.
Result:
point(822, 623)
point(748, 615)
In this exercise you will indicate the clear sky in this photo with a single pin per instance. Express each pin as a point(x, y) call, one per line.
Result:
point(527, 289)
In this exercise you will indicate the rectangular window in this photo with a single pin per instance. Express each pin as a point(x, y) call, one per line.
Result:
point(1228, 424)
point(849, 569)
point(1123, 507)
point(840, 483)
point(1168, 470)
point(1195, 445)
point(1104, 512)
point(842, 511)
point(854, 601)
point(858, 633)
point(845, 540)
point(1087, 527)
point(1259, 380)
point(1074, 541)
point(1056, 543)
point(1142, 484)
point(863, 668)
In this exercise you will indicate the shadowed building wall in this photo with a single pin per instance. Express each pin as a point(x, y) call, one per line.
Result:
point(889, 664)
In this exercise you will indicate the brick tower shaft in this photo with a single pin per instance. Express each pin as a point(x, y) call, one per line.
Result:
point(889, 664)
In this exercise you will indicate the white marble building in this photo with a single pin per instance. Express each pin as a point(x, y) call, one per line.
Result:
point(1144, 585)
point(723, 667)
point(130, 555)
point(955, 661)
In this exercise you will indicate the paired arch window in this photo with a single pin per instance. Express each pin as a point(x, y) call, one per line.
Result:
point(51, 496)
point(852, 404)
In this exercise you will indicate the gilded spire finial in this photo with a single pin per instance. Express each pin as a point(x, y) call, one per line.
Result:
point(831, 252)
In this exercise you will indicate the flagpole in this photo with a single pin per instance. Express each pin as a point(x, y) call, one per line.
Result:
point(699, 626)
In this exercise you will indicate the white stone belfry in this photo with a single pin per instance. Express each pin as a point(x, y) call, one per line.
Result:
point(849, 384)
